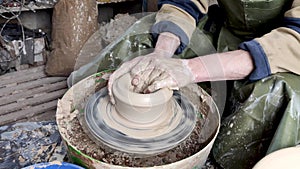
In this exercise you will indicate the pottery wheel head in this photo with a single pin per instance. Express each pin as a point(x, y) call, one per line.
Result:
point(139, 123)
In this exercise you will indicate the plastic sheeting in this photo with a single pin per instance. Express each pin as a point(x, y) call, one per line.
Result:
point(136, 41)
point(265, 118)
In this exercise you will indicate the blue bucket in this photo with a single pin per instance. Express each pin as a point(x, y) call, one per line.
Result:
point(54, 165)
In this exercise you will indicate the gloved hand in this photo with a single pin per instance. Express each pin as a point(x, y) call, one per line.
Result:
point(166, 46)
point(153, 73)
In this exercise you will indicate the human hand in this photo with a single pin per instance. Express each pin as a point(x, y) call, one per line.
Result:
point(166, 45)
point(134, 67)
point(154, 73)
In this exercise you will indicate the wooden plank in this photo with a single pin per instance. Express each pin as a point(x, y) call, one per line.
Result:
point(22, 114)
point(22, 78)
point(31, 101)
point(30, 85)
point(44, 116)
point(31, 93)
point(152, 6)
point(22, 72)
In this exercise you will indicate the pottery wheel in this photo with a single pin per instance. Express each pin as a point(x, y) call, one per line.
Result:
point(113, 130)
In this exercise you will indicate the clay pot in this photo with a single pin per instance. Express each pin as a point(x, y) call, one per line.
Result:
point(140, 108)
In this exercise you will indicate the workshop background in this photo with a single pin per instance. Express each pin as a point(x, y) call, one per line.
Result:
point(38, 50)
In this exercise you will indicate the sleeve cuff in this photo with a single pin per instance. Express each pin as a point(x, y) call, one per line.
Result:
point(186, 5)
point(262, 67)
point(167, 26)
point(292, 23)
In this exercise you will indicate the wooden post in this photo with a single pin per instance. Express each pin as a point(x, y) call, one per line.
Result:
point(151, 5)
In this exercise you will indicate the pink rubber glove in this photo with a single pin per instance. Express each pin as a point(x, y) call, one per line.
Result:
point(166, 46)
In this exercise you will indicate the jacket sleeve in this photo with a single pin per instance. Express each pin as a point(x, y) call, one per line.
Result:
point(179, 18)
point(279, 50)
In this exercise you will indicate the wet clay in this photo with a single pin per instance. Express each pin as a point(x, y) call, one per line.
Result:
point(140, 108)
point(151, 114)
point(161, 125)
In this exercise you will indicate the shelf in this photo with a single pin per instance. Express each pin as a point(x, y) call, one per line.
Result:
point(24, 8)
point(35, 7)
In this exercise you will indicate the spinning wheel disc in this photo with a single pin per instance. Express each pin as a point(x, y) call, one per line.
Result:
point(111, 129)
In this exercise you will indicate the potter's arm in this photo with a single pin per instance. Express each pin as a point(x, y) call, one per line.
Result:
point(233, 65)
point(175, 73)
point(278, 50)
point(179, 18)
point(158, 70)
point(167, 43)
point(175, 23)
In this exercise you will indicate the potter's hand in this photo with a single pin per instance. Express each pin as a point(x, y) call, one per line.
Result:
point(166, 46)
point(134, 67)
point(154, 73)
